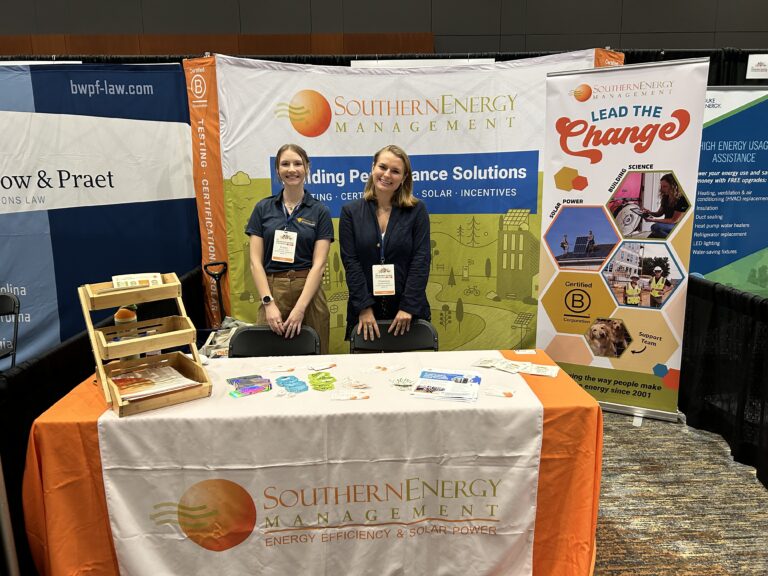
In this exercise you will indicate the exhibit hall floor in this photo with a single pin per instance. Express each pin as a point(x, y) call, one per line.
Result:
point(673, 502)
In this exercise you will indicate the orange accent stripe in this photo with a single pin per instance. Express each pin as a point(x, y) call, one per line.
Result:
point(203, 97)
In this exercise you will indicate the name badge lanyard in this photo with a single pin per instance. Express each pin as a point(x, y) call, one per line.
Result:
point(289, 217)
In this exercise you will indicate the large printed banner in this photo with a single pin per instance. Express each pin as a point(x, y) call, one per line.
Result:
point(473, 135)
point(95, 180)
point(729, 241)
point(620, 168)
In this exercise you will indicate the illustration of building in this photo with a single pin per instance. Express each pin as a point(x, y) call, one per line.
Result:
point(517, 256)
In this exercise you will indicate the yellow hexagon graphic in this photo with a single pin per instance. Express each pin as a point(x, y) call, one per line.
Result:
point(573, 301)
point(652, 341)
point(564, 178)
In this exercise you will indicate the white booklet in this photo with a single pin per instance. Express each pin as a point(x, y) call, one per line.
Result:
point(447, 384)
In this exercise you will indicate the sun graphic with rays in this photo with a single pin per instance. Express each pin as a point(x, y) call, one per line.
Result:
point(582, 92)
point(308, 111)
point(215, 514)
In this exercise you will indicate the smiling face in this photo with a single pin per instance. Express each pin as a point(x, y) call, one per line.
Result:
point(291, 168)
point(387, 173)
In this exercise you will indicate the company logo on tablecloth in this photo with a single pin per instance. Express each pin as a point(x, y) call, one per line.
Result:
point(215, 514)
point(220, 514)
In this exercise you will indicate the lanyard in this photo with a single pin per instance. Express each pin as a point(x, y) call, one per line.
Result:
point(289, 217)
point(380, 244)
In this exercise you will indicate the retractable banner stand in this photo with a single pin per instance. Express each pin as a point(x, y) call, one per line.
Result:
point(729, 241)
point(95, 180)
point(620, 167)
point(473, 134)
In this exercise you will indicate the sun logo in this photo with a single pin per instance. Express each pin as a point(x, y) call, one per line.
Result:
point(582, 93)
point(308, 111)
point(215, 514)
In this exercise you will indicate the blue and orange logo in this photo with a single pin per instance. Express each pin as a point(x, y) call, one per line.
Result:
point(308, 111)
point(215, 514)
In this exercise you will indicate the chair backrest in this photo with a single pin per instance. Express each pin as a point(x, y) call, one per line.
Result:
point(421, 336)
point(9, 306)
point(261, 341)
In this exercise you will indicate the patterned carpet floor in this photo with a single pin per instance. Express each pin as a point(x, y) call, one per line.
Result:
point(673, 502)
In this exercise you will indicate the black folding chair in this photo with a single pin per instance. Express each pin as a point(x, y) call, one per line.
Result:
point(9, 306)
point(261, 341)
point(421, 336)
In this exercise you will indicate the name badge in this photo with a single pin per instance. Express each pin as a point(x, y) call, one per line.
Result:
point(284, 246)
point(383, 279)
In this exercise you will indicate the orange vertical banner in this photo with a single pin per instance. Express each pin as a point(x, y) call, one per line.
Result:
point(203, 100)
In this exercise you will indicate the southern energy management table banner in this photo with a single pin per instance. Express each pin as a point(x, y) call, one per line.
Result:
point(95, 180)
point(473, 134)
point(729, 241)
point(620, 167)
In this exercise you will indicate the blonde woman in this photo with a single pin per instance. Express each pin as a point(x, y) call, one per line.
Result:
point(384, 242)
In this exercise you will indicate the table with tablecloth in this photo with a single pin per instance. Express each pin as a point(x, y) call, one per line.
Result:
point(367, 486)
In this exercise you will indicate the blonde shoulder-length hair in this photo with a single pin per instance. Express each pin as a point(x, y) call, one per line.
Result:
point(403, 197)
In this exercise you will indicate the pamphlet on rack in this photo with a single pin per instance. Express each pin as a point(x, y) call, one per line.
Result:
point(151, 381)
point(137, 280)
point(442, 384)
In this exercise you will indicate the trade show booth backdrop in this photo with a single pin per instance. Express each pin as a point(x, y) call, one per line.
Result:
point(473, 134)
point(729, 241)
point(95, 180)
point(614, 138)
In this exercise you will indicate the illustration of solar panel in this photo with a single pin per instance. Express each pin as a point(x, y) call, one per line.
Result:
point(523, 319)
point(515, 217)
point(580, 249)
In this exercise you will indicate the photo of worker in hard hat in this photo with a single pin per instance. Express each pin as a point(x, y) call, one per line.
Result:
point(642, 274)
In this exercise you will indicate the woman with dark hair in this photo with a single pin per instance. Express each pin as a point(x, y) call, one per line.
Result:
point(290, 236)
point(671, 208)
point(384, 242)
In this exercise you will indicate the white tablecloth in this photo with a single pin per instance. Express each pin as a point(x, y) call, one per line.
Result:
point(271, 484)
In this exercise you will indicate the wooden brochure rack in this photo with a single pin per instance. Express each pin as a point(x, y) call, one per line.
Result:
point(113, 344)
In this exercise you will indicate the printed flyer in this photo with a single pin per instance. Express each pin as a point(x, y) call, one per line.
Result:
point(620, 167)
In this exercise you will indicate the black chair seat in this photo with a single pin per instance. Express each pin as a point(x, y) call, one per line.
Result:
point(248, 341)
point(421, 336)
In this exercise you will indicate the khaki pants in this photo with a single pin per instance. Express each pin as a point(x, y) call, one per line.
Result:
point(286, 292)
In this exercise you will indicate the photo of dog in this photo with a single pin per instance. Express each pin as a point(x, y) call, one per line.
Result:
point(608, 337)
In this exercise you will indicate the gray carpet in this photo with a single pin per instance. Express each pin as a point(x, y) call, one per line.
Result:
point(673, 502)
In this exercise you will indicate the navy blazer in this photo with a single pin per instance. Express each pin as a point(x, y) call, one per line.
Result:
point(406, 245)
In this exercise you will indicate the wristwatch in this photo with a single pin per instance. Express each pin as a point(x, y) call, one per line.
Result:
point(266, 300)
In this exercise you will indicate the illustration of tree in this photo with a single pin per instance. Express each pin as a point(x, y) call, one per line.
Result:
point(460, 233)
point(445, 316)
point(762, 276)
point(451, 278)
point(459, 312)
point(336, 267)
point(435, 252)
point(752, 278)
point(474, 231)
point(487, 267)
point(341, 277)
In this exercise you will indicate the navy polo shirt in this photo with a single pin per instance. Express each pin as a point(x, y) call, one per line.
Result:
point(311, 220)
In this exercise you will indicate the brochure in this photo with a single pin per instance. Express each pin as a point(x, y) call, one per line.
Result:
point(442, 384)
point(146, 382)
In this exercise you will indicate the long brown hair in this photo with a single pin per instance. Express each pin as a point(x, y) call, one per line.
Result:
point(293, 148)
point(403, 196)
